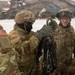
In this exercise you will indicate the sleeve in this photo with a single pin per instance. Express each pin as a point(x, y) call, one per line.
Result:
point(6, 67)
point(28, 45)
point(33, 42)
point(15, 38)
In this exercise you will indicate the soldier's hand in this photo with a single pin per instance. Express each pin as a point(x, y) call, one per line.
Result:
point(52, 23)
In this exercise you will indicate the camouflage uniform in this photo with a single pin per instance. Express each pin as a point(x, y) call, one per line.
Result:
point(24, 42)
point(65, 41)
point(8, 64)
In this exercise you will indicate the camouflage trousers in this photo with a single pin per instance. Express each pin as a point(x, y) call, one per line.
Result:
point(64, 69)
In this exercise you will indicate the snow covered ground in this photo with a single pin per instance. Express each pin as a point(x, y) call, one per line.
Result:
point(9, 24)
point(40, 22)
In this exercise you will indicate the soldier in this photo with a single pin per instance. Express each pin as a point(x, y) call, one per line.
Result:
point(64, 37)
point(8, 64)
point(24, 42)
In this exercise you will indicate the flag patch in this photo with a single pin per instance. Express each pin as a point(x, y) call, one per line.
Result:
point(14, 36)
point(3, 33)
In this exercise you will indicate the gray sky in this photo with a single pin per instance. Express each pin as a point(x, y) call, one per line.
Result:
point(4, 0)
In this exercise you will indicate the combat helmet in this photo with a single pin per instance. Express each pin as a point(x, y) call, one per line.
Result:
point(66, 12)
point(24, 16)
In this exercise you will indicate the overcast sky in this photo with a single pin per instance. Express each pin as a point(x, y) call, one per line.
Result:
point(72, 0)
point(4, 0)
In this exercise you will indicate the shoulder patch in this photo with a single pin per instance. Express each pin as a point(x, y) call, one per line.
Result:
point(14, 35)
point(3, 33)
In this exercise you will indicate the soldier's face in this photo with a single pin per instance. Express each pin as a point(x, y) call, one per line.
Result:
point(65, 21)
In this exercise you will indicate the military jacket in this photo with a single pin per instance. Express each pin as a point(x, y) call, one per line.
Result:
point(8, 65)
point(24, 45)
point(65, 42)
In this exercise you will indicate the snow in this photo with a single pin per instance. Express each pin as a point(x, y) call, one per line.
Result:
point(9, 24)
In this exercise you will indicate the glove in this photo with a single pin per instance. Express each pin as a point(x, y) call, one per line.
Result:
point(51, 23)
point(44, 31)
